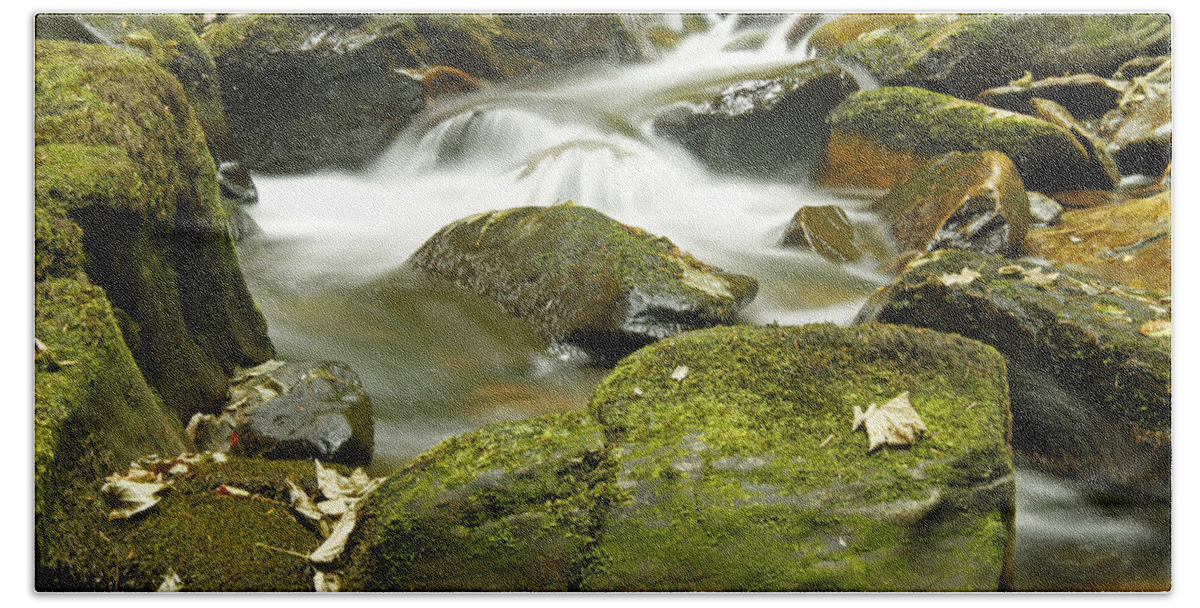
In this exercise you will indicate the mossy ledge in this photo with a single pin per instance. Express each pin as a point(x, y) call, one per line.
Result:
point(909, 119)
point(741, 473)
point(119, 153)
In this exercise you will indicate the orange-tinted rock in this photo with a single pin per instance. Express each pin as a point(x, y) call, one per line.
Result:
point(1128, 242)
point(442, 80)
point(973, 201)
point(825, 229)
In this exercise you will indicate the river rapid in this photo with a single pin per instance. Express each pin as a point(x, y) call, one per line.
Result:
point(327, 268)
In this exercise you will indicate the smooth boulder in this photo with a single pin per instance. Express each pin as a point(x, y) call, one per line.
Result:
point(880, 137)
point(1089, 360)
point(580, 277)
point(825, 229)
point(960, 200)
point(769, 127)
point(1084, 95)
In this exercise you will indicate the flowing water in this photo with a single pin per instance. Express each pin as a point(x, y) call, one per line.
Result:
point(437, 362)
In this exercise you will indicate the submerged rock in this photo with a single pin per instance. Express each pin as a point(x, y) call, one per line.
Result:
point(769, 127)
point(973, 201)
point(119, 153)
point(880, 137)
point(577, 276)
point(293, 411)
point(825, 229)
point(1084, 95)
point(962, 55)
point(1129, 242)
point(1074, 335)
point(741, 473)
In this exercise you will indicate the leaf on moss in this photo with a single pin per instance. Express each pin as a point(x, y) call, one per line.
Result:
point(171, 583)
point(962, 278)
point(680, 373)
point(132, 496)
point(327, 582)
point(336, 543)
point(1011, 269)
point(301, 503)
point(1034, 276)
point(235, 492)
point(893, 423)
point(1157, 328)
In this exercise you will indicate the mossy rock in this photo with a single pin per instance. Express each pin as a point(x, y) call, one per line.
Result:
point(577, 276)
point(768, 127)
point(962, 55)
point(508, 507)
point(119, 153)
point(960, 200)
point(1090, 376)
point(171, 42)
point(214, 541)
point(1128, 242)
point(744, 474)
point(721, 478)
point(93, 414)
point(847, 28)
point(914, 125)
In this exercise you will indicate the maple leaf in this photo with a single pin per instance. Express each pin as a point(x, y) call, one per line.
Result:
point(893, 423)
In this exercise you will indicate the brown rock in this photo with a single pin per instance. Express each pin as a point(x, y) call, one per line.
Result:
point(849, 27)
point(973, 201)
point(1128, 242)
point(1080, 94)
point(1054, 113)
point(1139, 66)
point(826, 230)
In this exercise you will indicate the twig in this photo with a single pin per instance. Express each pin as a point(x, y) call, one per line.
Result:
point(287, 551)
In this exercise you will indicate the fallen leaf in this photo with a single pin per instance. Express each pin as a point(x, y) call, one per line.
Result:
point(893, 423)
point(1157, 328)
point(333, 508)
point(302, 503)
point(1035, 276)
point(962, 278)
point(336, 543)
point(1109, 310)
point(1011, 269)
point(327, 582)
point(232, 491)
point(680, 373)
point(132, 496)
point(171, 583)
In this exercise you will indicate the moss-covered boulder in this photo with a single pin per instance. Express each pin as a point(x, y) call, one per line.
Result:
point(172, 43)
point(580, 277)
point(962, 55)
point(723, 460)
point(93, 413)
point(512, 506)
point(1083, 95)
point(960, 200)
point(292, 411)
point(1128, 242)
point(119, 153)
point(880, 137)
point(1089, 360)
point(208, 534)
point(769, 127)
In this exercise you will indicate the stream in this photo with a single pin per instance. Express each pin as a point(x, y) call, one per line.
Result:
point(437, 361)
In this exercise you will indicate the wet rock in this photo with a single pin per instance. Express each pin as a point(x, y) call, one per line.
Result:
point(769, 127)
point(577, 276)
point(1139, 66)
point(1083, 95)
point(962, 55)
point(1129, 242)
point(1096, 148)
point(441, 81)
point(721, 480)
point(119, 153)
point(1141, 128)
point(1063, 333)
point(972, 200)
point(170, 41)
point(847, 28)
point(1043, 210)
point(880, 137)
point(509, 507)
point(825, 229)
point(93, 413)
point(293, 411)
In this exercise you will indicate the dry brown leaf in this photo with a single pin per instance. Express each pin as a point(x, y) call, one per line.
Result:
point(962, 278)
point(893, 423)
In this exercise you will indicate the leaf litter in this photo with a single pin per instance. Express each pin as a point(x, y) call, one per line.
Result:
point(893, 423)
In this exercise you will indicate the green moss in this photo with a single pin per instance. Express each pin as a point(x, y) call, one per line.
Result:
point(1048, 157)
point(57, 245)
point(506, 507)
point(93, 413)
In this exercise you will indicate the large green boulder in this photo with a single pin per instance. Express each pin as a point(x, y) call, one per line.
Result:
point(93, 414)
point(722, 459)
point(882, 136)
point(767, 127)
point(1089, 359)
point(579, 277)
point(119, 154)
point(964, 54)
point(172, 43)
